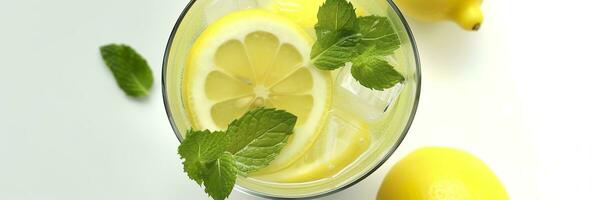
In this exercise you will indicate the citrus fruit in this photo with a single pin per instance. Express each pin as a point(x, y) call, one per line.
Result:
point(438, 173)
point(250, 59)
point(466, 13)
point(303, 12)
point(341, 142)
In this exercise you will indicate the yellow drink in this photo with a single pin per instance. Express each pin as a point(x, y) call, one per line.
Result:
point(344, 130)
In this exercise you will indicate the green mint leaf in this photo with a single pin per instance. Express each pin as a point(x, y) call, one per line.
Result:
point(342, 37)
point(221, 177)
point(333, 49)
point(200, 148)
point(258, 137)
point(336, 33)
point(252, 142)
point(374, 72)
point(378, 32)
point(130, 69)
point(336, 15)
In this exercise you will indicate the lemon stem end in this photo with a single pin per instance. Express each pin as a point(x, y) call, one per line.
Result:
point(476, 27)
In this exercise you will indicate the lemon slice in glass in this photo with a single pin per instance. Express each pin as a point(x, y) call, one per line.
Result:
point(303, 12)
point(250, 59)
point(342, 141)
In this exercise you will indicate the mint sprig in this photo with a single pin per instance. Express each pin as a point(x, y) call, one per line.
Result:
point(362, 41)
point(130, 69)
point(250, 143)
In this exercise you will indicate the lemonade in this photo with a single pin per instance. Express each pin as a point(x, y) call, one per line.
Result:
point(230, 56)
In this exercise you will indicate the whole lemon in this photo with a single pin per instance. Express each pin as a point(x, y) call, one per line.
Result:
point(439, 173)
point(466, 13)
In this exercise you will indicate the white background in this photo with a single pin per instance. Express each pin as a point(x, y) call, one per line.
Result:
point(518, 94)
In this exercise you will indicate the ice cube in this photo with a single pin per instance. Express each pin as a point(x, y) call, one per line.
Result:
point(340, 132)
point(351, 97)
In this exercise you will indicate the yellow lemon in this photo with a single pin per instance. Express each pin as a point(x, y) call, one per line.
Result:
point(466, 13)
point(303, 12)
point(342, 141)
point(438, 173)
point(254, 58)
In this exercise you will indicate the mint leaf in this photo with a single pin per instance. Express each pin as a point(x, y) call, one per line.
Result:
point(378, 32)
point(258, 137)
point(374, 72)
point(333, 50)
point(200, 148)
point(336, 33)
point(336, 15)
point(221, 177)
point(342, 37)
point(252, 142)
point(130, 69)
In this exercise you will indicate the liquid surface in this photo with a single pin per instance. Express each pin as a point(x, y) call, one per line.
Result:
point(260, 57)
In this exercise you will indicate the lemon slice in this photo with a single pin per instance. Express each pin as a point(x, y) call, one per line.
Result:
point(303, 12)
point(342, 141)
point(250, 59)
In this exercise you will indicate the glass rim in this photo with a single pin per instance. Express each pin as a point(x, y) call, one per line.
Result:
point(363, 176)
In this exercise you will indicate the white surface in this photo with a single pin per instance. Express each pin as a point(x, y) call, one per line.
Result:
point(519, 94)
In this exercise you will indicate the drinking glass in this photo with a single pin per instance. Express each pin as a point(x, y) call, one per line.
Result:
point(388, 113)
